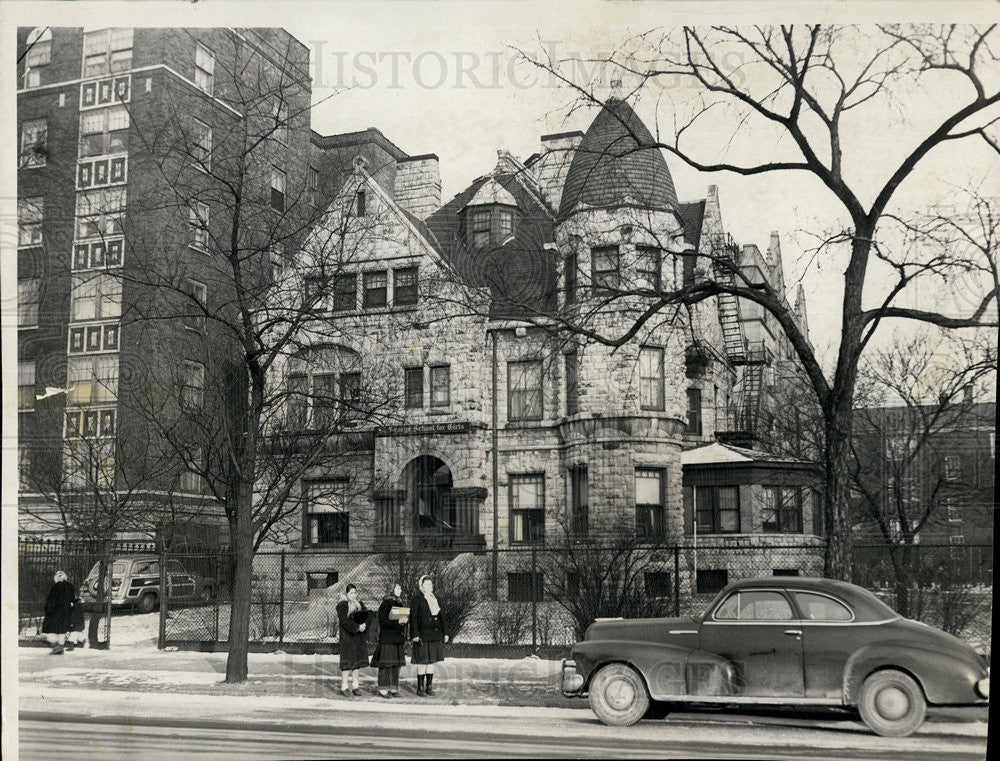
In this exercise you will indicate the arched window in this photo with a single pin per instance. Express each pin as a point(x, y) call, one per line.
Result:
point(37, 55)
point(323, 389)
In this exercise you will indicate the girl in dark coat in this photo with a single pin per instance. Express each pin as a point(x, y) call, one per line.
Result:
point(429, 630)
point(57, 610)
point(351, 613)
point(390, 655)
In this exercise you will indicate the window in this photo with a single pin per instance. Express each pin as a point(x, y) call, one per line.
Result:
point(98, 254)
point(404, 285)
point(951, 509)
point(525, 586)
point(192, 384)
point(24, 482)
point(821, 608)
point(658, 584)
point(320, 579)
point(782, 510)
point(191, 480)
point(604, 269)
point(650, 487)
point(694, 411)
point(440, 386)
point(651, 394)
point(277, 189)
point(710, 581)
point(37, 56)
point(25, 385)
point(193, 314)
point(280, 113)
point(27, 302)
point(95, 297)
point(93, 338)
point(480, 235)
point(345, 288)
point(34, 135)
point(327, 519)
point(198, 219)
point(755, 605)
point(524, 393)
point(527, 508)
point(324, 385)
point(952, 468)
point(413, 380)
point(648, 267)
point(718, 509)
point(572, 272)
point(956, 539)
point(104, 131)
point(572, 382)
point(204, 69)
point(107, 51)
point(90, 423)
point(201, 144)
point(505, 224)
point(579, 500)
point(92, 380)
point(361, 203)
point(376, 289)
point(313, 179)
point(313, 293)
point(30, 212)
point(99, 213)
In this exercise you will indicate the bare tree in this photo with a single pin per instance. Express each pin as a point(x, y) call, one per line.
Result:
point(803, 91)
point(228, 265)
point(917, 404)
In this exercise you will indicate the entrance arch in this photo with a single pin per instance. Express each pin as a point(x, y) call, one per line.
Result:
point(428, 484)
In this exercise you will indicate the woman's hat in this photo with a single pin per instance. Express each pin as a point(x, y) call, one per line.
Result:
point(61, 576)
point(424, 578)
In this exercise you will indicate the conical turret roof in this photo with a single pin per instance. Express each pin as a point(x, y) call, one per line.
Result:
point(611, 165)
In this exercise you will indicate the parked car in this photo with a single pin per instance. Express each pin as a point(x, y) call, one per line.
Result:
point(787, 641)
point(135, 582)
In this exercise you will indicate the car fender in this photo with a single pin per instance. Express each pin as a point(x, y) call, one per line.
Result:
point(670, 671)
point(943, 677)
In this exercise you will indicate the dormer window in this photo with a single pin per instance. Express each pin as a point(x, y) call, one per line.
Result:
point(490, 216)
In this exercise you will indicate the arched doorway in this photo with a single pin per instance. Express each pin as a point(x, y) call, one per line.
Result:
point(428, 485)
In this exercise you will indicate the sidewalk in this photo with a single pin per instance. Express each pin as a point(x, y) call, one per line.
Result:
point(528, 682)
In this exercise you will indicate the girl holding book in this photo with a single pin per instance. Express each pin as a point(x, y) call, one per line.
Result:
point(389, 655)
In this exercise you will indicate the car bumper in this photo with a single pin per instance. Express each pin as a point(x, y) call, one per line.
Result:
point(570, 682)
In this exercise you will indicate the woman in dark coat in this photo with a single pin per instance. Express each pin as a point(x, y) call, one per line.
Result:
point(57, 609)
point(429, 631)
point(390, 655)
point(352, 614)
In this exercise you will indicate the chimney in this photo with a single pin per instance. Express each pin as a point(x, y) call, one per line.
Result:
point(418, 185)
point(967, 394)
point(553, 164)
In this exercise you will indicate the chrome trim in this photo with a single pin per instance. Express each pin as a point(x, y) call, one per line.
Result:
point(789, 700)
point(683, 631)
point(801, 622)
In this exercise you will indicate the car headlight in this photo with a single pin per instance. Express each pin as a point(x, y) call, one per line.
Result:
point(983, 686)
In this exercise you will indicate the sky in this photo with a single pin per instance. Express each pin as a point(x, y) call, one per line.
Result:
point(445, 78)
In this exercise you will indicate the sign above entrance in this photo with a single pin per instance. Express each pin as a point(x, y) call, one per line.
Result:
point(423, 429)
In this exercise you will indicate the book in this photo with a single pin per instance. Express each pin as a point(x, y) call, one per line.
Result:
point(400, 614)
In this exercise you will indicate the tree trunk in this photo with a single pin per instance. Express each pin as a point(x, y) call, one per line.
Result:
point(902, 567)
point(837, 561)
point(239, 618)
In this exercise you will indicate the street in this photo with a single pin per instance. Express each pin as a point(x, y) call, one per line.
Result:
point(104, 725)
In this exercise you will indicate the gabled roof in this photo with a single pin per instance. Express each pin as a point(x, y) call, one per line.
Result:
point(520, 272)
point(492, 192)
point(717, 453)
point(611, 166)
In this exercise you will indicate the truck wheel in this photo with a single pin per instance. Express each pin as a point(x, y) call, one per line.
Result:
point(618, 695)
point(147, 603)
point(892, 704)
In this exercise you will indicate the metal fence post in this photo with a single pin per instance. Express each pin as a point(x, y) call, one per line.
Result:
point(162, 639)
point(536, 588)
point(677, 581)
point(281, 603)
point(218, 593)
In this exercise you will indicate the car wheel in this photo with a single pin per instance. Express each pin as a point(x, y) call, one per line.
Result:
point(618, 695)
point(206, 595)
point(147, 603)
point(892, 704)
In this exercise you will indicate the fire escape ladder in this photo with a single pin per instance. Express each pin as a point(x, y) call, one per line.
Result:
point(725, 252)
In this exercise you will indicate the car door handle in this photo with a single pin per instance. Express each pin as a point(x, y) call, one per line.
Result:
point(794, 633)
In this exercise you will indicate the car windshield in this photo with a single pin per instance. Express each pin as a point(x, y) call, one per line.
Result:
point(117, 569)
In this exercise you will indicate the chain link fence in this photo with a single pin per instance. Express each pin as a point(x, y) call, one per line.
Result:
point(531, 599)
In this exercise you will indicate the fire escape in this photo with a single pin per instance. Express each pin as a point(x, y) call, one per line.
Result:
point(745, 420)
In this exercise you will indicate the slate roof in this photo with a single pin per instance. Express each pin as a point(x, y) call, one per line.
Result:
point(610, 165)
point(692, 214)
point(520, 272)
